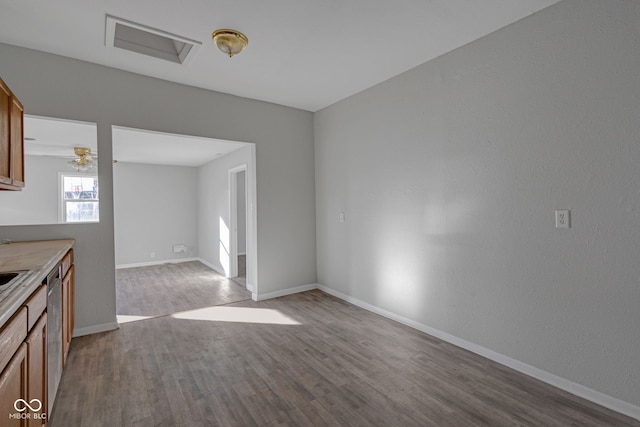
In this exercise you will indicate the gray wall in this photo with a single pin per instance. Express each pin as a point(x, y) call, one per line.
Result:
point(155, 207)
point(213, 208)
point(449, 175)
point(54, 86)
point(38, 202)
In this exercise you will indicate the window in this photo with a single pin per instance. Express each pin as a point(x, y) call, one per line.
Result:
point(80, 198)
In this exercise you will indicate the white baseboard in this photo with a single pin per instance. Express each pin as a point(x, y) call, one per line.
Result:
point(283, 292)
point(88, 330)
point(150, 263)
point(212, 266)
point(594, 396)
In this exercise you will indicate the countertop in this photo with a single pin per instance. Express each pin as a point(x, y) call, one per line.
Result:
point(39, 257)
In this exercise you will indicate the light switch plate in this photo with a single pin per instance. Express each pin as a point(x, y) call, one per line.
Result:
point(563, 218)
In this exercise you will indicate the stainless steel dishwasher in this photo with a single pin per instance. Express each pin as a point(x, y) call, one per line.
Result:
point(54, 333)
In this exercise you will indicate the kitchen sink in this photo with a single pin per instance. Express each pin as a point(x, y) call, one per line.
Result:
point(8, 278)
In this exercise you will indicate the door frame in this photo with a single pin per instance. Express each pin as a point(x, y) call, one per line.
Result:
point(250, 223)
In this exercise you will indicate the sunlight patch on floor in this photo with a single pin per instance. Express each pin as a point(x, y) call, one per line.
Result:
point(125, 318)
point(237, 314)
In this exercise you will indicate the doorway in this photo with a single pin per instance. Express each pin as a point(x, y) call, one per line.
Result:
point(238, 215)
point(171, 221)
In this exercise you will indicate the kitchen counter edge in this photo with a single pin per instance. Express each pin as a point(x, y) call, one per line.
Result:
point(39, 268)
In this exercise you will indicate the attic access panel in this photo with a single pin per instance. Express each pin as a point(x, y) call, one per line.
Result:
point(149, 41)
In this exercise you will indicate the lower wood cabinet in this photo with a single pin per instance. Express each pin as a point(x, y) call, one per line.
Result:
point(39, 330)
point(37, 367)
point(67, 312)
point(13, 386)
point(23, 365)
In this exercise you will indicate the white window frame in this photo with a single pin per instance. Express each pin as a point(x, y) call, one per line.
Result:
point(62, 201)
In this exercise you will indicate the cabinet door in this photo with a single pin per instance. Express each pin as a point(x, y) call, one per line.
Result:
point(67, 312)
point(37, 368)
point(13, 386)
point(5, 136)
point(11, 140)
point(17, 143)
point(67, 261)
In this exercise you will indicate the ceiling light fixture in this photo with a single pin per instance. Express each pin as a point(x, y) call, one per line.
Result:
point(85, 161)
point(230, 42)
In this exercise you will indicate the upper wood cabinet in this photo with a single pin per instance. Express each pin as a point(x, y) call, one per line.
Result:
point(11, 140)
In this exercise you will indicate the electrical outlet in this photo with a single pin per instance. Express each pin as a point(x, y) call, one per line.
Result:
point(152, 255)
point(563, 218)
point(178, 249)
point(341, 217)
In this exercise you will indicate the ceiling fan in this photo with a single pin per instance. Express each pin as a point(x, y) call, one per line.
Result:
point(84, 161)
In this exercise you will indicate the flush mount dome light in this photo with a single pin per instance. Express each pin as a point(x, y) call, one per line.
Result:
point(230, 42)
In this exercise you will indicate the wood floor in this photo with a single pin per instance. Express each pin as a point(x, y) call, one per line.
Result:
point(303, 360)
point(242, 271)
point(168, 288)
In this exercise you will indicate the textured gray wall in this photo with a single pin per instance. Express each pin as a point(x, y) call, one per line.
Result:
point(449, 175)
point(54, 86)
point(213, 207)
point(38, 203)
point(155, 207)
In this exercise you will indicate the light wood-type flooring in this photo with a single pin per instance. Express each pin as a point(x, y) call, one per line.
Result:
point(307, 359)
point(242, 271)
point(168, 288)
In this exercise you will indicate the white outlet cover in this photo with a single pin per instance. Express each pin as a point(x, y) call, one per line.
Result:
point(563, 218)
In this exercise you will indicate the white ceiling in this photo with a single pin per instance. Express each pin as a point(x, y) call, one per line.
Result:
point(140, 146)
point(56, 138)
point(303, 54)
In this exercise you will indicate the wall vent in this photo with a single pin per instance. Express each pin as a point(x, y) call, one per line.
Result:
point(148, 41)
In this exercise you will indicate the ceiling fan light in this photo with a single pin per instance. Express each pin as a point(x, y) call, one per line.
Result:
point(83, 163)
point(81, 151)
point(231, 42)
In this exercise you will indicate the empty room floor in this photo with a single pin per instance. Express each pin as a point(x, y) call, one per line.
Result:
point(169, 288)
point(307, 359)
